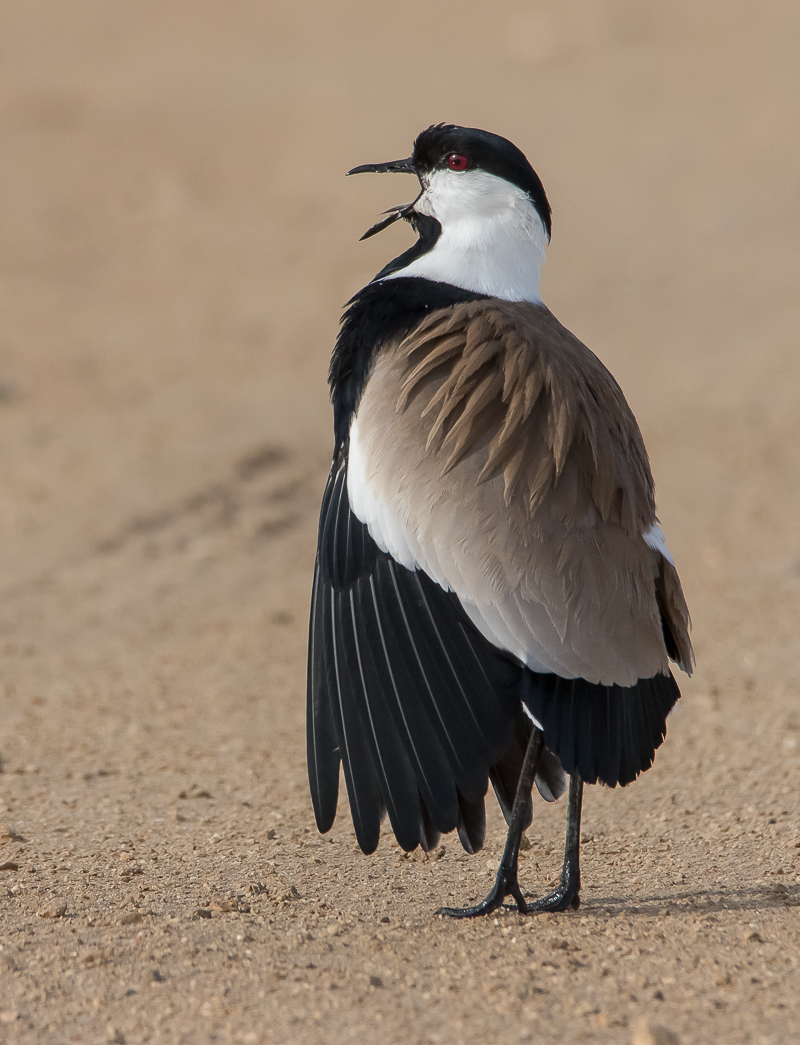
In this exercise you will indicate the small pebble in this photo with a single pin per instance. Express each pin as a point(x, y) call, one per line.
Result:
point(56, 909)
point(227, 906)
point(647, 1033)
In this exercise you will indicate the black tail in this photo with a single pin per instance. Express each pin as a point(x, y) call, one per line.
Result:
point(610, 734)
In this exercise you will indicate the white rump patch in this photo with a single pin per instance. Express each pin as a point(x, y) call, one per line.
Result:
point(654, 538)
point(493, 240)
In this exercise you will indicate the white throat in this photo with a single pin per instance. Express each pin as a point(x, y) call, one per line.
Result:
point(492, 242)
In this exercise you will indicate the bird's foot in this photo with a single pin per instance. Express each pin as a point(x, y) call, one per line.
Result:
point(565, 898)
point(506, 884)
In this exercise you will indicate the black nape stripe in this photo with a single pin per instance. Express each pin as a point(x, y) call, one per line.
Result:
point(381, 311)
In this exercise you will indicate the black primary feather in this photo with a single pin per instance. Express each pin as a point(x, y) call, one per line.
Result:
point(411, 689)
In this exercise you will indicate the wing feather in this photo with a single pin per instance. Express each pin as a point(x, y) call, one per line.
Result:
point(398, 783)
point(363, 787)
point(514, 472)
point(411, 698)
point(402, 695)
point(322, 733)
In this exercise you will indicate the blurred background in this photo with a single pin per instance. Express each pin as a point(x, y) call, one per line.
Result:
point(177, 240)
point(177, 237)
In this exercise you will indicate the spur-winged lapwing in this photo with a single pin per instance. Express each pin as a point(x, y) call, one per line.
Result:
point(493, 597)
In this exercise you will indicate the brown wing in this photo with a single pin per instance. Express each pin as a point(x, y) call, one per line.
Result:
point(493, 450)
point(674, 615)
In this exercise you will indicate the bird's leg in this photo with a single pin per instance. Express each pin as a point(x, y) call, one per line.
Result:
point(566, 895)
point(506, 883)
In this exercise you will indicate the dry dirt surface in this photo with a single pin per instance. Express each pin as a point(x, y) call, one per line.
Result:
point(176, 242)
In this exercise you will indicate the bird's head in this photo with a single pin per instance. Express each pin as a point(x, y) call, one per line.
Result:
point(465, 174)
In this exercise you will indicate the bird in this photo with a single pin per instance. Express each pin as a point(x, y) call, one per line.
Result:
point(493, 596)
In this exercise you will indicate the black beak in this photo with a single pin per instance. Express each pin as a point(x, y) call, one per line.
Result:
point(404, 210)
point(393, 166)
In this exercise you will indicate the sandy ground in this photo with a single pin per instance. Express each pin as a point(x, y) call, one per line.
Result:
point(176, 240)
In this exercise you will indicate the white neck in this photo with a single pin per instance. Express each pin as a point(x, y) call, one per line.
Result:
point(492, 241)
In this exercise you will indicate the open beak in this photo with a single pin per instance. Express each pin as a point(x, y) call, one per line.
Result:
point(402, 210)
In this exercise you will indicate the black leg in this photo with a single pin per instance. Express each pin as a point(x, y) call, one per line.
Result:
point(506, 883)
point(566, 896)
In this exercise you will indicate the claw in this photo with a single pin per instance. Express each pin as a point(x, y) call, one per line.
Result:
point(564, 898)
point(505, 885)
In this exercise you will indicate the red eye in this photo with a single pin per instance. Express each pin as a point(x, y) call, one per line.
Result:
point(457, 162)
